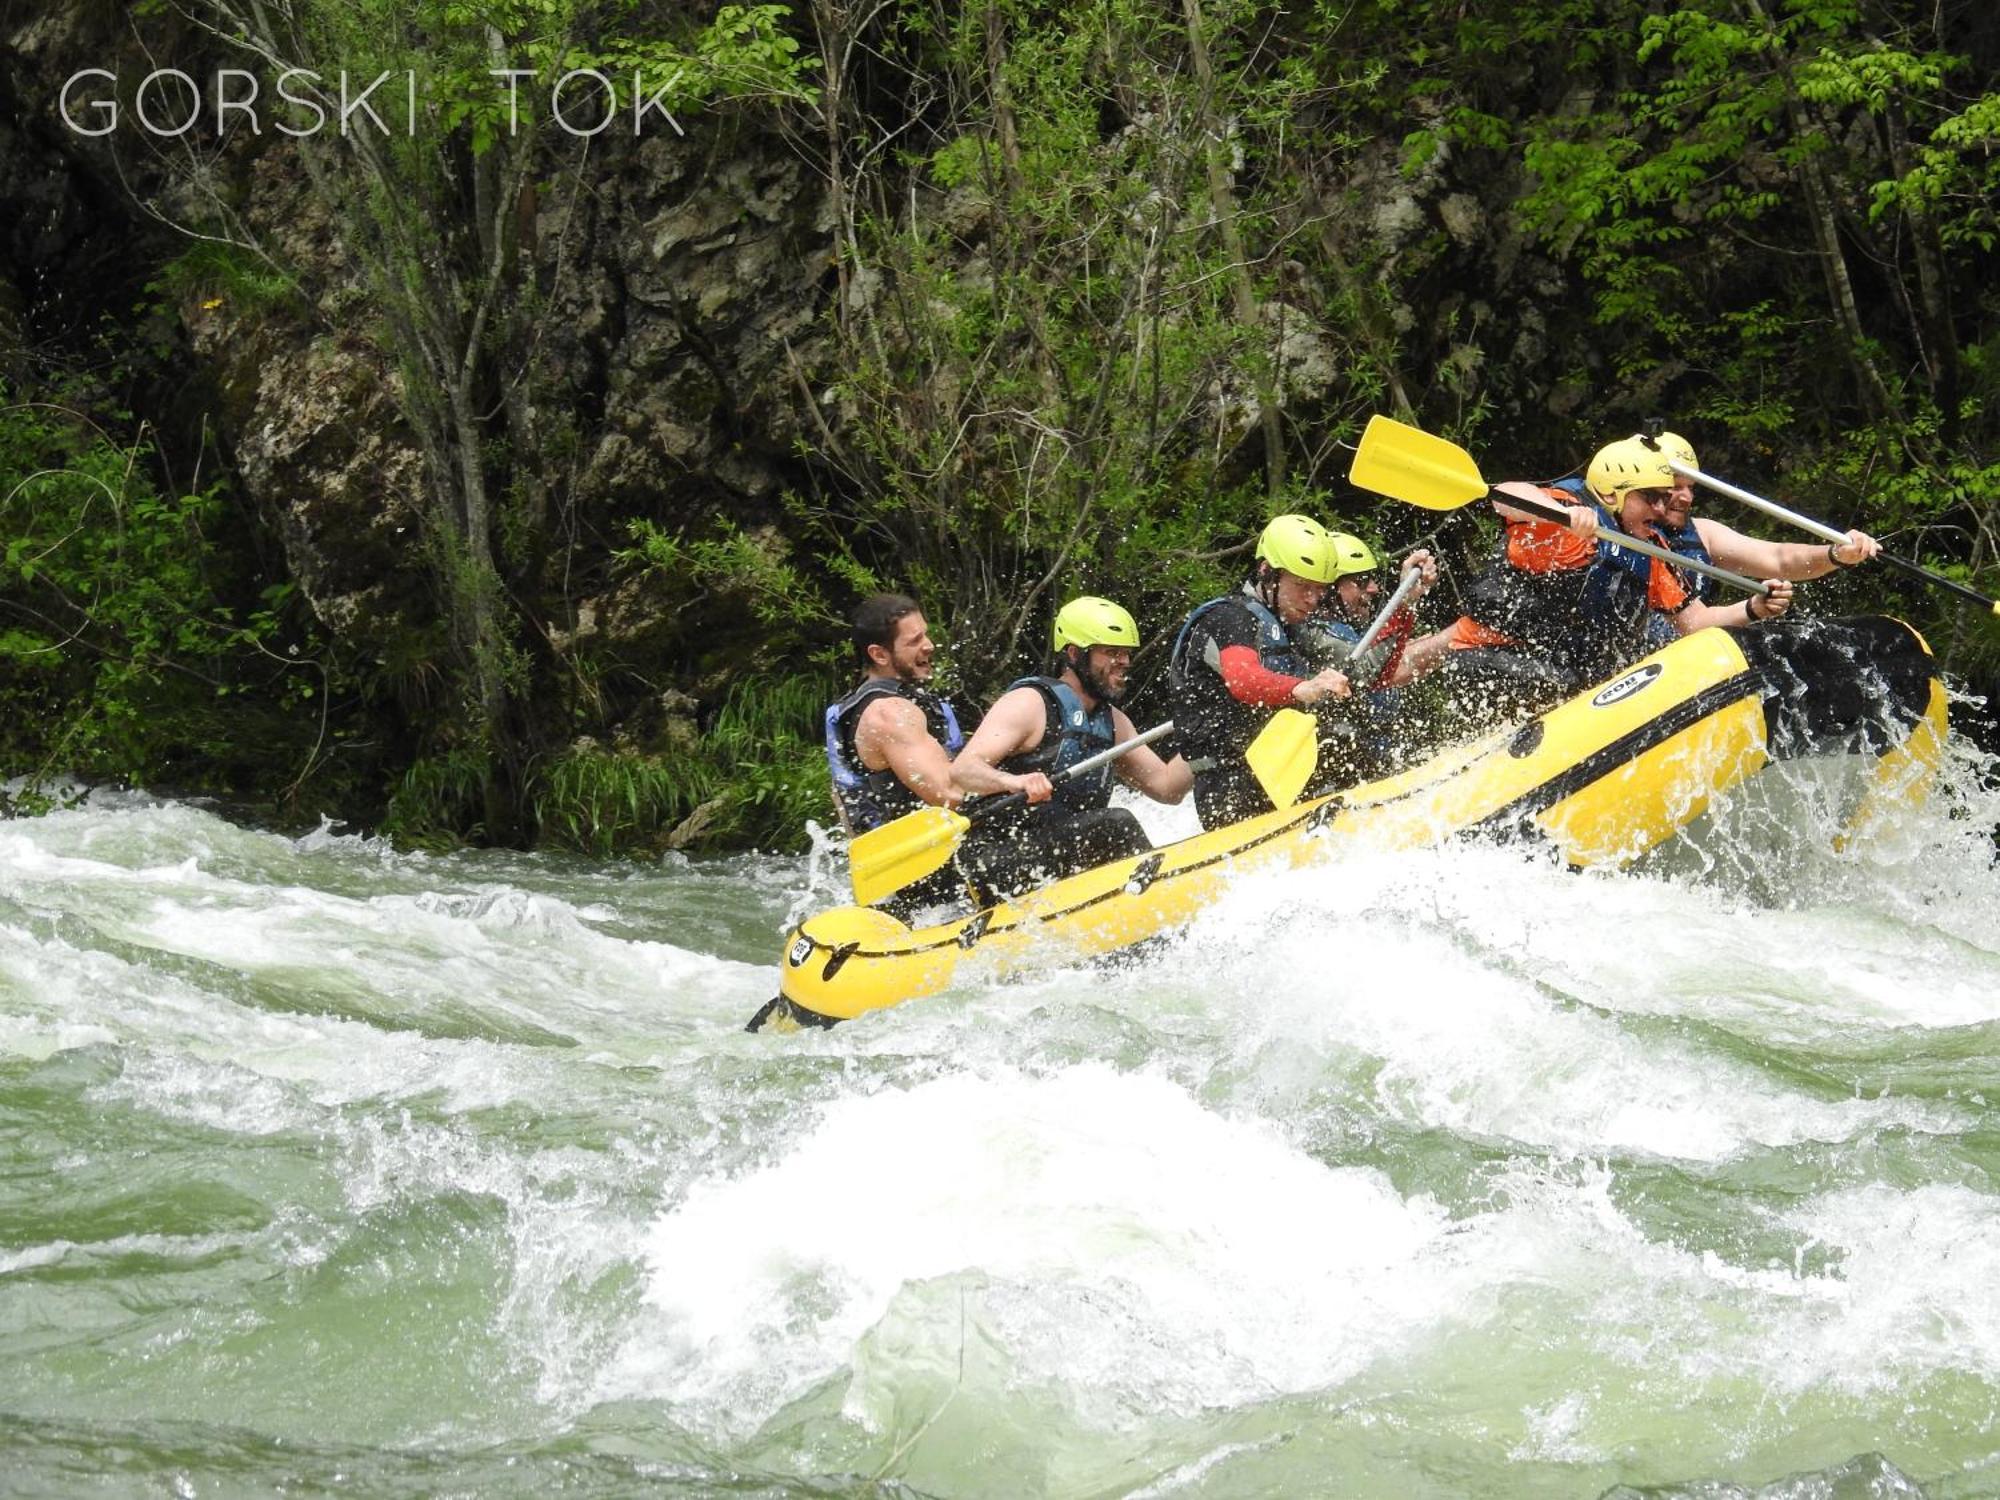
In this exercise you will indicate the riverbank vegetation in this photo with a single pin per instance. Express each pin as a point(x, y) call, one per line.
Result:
point(494, 482)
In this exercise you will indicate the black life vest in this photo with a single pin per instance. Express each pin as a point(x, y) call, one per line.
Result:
point(1583, 619)
point(1069, 735)
point(1212, 726)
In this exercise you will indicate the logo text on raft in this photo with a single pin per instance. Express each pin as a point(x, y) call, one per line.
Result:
point(801, 951)
point(1635, 681)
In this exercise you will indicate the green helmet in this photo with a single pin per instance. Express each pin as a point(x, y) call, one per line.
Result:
point(1628, 464)
point(1089, 621)
point(1300, 545)
point(1351, 555)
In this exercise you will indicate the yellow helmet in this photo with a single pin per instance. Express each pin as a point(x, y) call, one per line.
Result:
point(1089, 621)
point(1628, 464)
point(1677, 448)
point(1300, 545)
point(1350, 555)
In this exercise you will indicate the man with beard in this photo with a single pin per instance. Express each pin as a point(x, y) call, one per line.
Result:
point(890, 742)
point(1040, 727)
point(1707, 540)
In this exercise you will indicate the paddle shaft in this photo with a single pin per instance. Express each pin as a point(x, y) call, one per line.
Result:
point(1560, 516)
point(991, 805)
point(1410, 579)
point(1827, 533)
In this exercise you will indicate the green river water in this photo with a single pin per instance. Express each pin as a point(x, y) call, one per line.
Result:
point(330, 1170)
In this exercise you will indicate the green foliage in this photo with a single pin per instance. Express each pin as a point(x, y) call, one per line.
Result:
point(440, 801)
point(1063, 347)
point(216, 270)
point(1955, 177)
point(753, 777)
point(743, 52)
point(131, 649)
point(755, 567)
point(766, 744)
point(608, 802)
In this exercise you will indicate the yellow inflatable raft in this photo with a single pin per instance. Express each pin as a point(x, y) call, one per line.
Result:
point(1605, 777)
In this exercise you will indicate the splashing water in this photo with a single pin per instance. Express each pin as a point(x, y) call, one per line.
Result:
point(1433, 1173)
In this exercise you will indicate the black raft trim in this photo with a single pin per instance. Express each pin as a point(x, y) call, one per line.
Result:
point(1840, 686)
point(797, 1014)
point(837, 958)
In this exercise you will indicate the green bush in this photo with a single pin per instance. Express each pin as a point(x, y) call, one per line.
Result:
point(752, 779)
point(134, 646)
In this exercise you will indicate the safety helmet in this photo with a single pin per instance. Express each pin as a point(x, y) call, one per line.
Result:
point(1089, 621)
point(1628, 464)
point(1300, 545)
point(1677, 448)
point(1350, 555)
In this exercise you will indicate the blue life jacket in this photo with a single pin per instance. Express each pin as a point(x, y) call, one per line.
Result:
point(1687, 542)
point(1070, 734)
point(868, 799)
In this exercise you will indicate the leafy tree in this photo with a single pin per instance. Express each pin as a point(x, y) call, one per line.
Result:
point(132, 649)
point(1078, 317)
point(437, 220)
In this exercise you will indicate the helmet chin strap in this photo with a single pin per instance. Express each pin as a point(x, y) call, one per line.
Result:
point(1077, 659)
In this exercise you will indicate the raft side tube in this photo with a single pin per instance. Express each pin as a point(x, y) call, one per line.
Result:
point(1605, 776)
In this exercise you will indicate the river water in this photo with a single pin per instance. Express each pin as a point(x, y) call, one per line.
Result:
point(328, 1169)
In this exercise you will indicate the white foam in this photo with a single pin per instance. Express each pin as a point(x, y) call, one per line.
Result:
point(1909, 1294)
point(1119, 1217)
point(1440, 984)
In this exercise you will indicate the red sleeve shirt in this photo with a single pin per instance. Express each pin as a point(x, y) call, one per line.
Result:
point(1250, 681)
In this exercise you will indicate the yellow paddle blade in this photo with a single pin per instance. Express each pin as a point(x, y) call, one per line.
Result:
point(1407, 463)
point(1284, 754)
point(888, 858)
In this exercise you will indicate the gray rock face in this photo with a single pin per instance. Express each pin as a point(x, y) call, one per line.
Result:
point(681, 371)
point(682, 279)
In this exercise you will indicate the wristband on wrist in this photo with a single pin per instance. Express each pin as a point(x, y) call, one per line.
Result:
point(1750, 609)
point(1833, 556)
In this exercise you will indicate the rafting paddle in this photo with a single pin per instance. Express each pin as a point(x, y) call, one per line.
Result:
point(1409, 464)
point(1283, 755)
point(888, 858)
point(1827, 533)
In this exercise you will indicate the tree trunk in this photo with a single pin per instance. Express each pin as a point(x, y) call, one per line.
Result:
point(1874, 391)
point(1222, 206)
